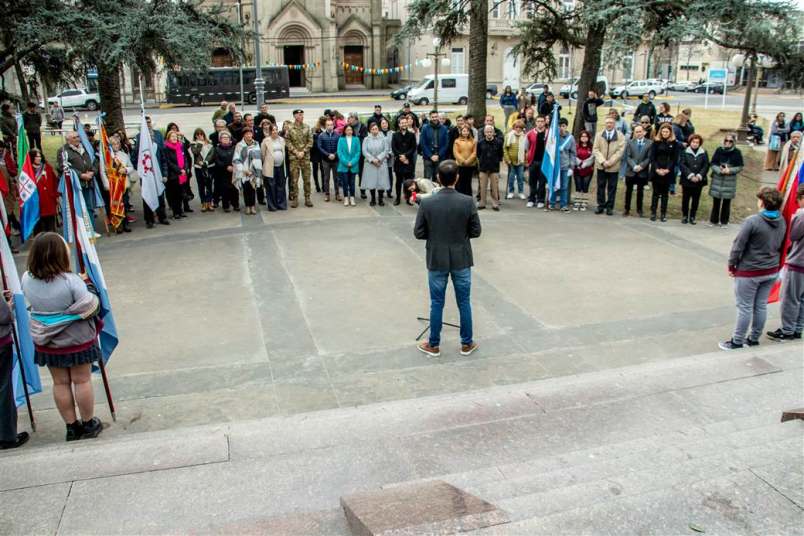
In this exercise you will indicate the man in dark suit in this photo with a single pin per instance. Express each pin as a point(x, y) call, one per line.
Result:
point(637, 157)
point(447, 220)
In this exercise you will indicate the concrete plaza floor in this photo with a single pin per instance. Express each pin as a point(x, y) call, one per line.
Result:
point(225, 317)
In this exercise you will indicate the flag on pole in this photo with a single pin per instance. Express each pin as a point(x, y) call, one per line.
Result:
point(21, 324)
point(29, 195)
point(112, 177)
point(792, 176)
point(551, 163)
point(89, 258)
point(79, 128)
point(148, 167)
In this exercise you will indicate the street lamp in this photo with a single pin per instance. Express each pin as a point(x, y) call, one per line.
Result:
point(259, 83)
point(436, 55)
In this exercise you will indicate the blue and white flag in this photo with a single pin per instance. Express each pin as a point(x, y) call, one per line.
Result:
point(108, 335)
point(91, 151)
point(21, 323)
point(551, 163)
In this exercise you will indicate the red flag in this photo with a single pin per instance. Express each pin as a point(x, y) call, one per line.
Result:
point(111, 170)
point(788, 185)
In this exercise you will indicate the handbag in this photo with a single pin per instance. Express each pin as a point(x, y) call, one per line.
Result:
point(775, 142)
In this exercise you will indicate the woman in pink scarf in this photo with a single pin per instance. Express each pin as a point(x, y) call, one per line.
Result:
point(178, 173)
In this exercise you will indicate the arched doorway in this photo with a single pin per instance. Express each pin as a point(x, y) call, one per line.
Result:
point(222, 57)
point(354, 53)
point(294, 40)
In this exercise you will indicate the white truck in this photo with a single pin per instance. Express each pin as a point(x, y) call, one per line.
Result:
point(76, 98)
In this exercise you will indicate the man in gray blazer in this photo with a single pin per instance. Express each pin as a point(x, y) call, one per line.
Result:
point(448, 220)
point(637, 158)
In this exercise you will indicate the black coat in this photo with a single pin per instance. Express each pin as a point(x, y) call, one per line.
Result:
point(447, 221)
point(223, 158)
point(646, 108)
point(172, 163)
point(489, 155)
point(691, 164)
point(664, 155)
point(403, 143)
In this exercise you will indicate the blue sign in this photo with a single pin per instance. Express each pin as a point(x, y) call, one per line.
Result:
point(718, 75)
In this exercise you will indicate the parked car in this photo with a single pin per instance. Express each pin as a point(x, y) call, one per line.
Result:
point(491, 90)
point(571, 90)
point(661, 82)
point(709, 87)
point(684, 85)
point(401, 93)
point(76, 98)
point(536, 88)
point(637, 88)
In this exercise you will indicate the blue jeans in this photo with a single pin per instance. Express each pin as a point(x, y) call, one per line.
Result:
point(462, 283)
point(563, 192)
point(347, 181)
point(516, 173)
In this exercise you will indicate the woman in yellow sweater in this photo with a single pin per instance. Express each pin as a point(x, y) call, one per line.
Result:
point(465, 151)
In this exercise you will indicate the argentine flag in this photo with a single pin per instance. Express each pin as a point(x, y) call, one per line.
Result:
point(551, 163)
point(29, 194)
point(108, 335)
point(11, 282)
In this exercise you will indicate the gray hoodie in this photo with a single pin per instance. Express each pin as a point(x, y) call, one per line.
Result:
point(757, 248)
point(796, 255)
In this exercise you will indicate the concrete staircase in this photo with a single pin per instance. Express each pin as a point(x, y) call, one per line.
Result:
point(677, 447)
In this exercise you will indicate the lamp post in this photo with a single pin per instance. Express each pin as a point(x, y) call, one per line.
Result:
point(436, 55)
point(242, 49)
point(259, 83)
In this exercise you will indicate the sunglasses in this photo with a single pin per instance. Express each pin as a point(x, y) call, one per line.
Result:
point(645, 122)
point(728, 141)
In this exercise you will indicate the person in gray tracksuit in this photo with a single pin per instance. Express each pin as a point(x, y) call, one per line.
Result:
point(793, 282)
point(754, 265)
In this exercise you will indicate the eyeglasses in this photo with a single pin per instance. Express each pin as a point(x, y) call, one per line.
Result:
point(645, 122)
point(728, 141)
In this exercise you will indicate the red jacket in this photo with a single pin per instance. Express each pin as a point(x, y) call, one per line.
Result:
point(536, 141)
point(48, 189)
point(11, 166)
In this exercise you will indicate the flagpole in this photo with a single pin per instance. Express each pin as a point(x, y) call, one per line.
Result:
point(19, 354)
point(80, 256)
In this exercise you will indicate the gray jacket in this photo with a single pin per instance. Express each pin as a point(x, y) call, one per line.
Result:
point(634, 155)
point(448, 221)
point(796, 254)
point(568, 153)
point(758, 245)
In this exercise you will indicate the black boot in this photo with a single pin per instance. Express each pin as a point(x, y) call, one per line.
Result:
point(362, 193)
point(373, 197)
point(75, 431)
point(92, 428)
point(381, 202)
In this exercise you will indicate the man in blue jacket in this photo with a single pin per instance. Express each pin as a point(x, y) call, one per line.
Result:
point(328, 146)
point(434, 143)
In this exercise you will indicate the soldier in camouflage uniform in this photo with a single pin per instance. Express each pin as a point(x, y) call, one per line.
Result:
point(299, 142)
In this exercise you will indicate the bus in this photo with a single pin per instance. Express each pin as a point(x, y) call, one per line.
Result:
point(223, 83)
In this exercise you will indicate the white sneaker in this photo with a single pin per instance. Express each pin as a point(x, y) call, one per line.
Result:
point(530, 204)
point(346, 201)
point(540, 205)
point(522, 196)
point(510, 195)
point(352, 201)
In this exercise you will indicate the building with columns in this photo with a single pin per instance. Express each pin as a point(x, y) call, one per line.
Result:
point(322, 33)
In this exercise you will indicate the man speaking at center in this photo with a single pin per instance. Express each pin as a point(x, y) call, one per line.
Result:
point(447, 220)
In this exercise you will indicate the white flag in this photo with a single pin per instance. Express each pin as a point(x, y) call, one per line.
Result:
point(148, 168)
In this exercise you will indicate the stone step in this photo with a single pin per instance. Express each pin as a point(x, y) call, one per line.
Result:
point(544, 474)
point(731, 504)
point(652, 476)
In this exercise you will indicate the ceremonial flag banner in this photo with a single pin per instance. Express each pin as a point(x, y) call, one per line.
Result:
point(551, 164)
point(87, 258)
point(11, 282)
point(788, 185)
point(113, 178)
point(148, 168)
point(29, 195)
point(91, 152)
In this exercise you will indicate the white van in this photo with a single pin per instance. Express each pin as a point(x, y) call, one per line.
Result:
point(452, 88)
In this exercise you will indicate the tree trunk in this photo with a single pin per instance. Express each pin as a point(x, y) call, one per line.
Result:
point(592, 55)
point(109, 91)
point(478, 53)
point(23, 85)
point(749, 87)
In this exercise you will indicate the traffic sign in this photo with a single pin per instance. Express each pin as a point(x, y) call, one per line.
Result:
point(718, 75)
